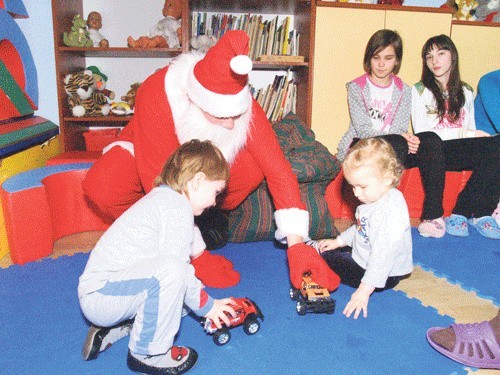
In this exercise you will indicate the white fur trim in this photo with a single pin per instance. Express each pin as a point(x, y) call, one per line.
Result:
point(129, 146)
point(291, 221)
point(230, 142)
point(241, 64)
point(218, 105)
point(198, 244)
point(176, 81)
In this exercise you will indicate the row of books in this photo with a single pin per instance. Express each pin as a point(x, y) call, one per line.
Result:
point(278, 98)
point(273, 36)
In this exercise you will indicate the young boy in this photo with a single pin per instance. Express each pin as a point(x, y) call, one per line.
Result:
point(139, 276)
point(376, 252)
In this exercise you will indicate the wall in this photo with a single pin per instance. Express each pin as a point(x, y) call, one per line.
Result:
point(38, 32)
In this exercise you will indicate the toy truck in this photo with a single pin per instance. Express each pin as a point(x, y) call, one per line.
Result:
point(312, 297)
point(247, 314)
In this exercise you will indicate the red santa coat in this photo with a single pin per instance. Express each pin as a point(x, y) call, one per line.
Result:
point(118, 179)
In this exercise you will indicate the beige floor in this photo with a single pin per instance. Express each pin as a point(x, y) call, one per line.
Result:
point(448, 299)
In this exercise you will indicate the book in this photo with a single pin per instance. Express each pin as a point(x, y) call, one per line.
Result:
point(281, 58)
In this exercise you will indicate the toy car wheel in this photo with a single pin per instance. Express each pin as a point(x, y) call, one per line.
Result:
point(301, 307)
point(294, 294)
point(251, 326)
point(222, 337)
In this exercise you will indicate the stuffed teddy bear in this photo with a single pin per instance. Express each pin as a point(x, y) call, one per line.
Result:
point(166, 33)
point(100, 80)
point(465, 10)
point(129, 98)
point(488, 11)
point(94, 24)
point(126, 106)
point(202, 43)
point(83, 100)
point(79, 35)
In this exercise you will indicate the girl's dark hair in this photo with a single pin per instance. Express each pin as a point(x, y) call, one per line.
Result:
point(455, 90)
point(379, 41)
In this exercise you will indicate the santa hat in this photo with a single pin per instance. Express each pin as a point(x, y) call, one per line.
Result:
point(218, 82)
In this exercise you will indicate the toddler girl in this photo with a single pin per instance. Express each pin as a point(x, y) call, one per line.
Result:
point(375, 253)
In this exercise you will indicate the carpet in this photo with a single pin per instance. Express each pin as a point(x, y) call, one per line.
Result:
point(472, 262)
point(43, 328)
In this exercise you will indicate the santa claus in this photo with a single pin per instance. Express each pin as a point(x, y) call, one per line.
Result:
point(206, 97)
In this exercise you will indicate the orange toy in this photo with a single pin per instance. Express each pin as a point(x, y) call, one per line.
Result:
point(166, 33)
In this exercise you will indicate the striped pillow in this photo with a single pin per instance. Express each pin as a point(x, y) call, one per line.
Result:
point(314, 166)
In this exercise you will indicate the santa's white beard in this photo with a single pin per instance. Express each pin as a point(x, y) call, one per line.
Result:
point(194, 125)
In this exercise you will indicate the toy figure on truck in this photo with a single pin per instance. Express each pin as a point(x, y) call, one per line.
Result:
point(312, 297)
point(247, 314)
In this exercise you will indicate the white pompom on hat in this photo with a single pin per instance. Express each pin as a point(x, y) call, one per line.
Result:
point(218, 83)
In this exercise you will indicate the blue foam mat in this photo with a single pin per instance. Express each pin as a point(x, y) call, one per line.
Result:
point(472, 262)
point(43, 329)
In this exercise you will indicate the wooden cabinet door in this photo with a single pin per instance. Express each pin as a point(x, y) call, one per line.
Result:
point(340, 41)
point(478, 50)
point(415, 28)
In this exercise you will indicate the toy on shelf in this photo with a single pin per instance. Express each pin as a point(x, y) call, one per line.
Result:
point(488, 11)
point(465, 10)
point(126, 106)
point(83, 100)
point(100, 80)
point(312, 297)
point(94, 24)
point(247, 313)
point(79, 35)
point(166, 33)
point(202, 43)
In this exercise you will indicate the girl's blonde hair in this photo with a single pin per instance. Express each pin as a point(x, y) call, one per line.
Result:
point(189, 159)
point(374, 152)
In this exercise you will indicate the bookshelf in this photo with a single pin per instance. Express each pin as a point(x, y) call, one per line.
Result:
point(122, 64)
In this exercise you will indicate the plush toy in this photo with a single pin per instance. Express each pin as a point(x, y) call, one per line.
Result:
point(94, 24)
point(202, 43)
point(129, 98)
point(100, 80)
point(166, 33)
point(465, 10)
point(121, 109)
point(126, 107)
point(79, 35)
point(83, 100)
point(488, 11)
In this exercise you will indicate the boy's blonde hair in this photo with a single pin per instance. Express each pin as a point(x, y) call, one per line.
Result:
point(374, 152)
point(189, 159)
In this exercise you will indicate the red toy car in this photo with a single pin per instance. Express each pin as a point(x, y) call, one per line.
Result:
point(247, 313)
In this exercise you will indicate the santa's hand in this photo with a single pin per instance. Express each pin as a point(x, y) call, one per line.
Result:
point(304, 258)
point(215, 271)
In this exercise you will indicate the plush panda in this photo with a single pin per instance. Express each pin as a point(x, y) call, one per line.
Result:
point(82, 99)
